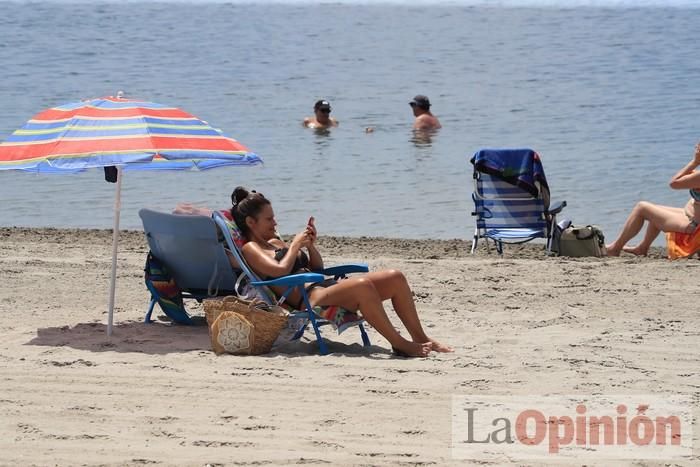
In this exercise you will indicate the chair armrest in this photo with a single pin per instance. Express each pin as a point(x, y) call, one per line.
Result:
point(556, 208)
point(293, 280)
point(343, 269)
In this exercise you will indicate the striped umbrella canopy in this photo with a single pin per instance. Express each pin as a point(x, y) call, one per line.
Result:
point(113, 131)
point(120, 135)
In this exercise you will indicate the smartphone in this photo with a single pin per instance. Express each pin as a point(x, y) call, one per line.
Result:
point(311, 220)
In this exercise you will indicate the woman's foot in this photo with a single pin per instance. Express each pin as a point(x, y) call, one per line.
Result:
point(636, 250)
point(612, 250)
point(412, 349)
point(438, 347)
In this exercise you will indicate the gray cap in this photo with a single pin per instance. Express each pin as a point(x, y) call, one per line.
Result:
point(420, 101)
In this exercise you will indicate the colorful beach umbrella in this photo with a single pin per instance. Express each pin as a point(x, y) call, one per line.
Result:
point(120, 135)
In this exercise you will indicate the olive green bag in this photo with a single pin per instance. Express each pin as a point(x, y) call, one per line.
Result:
point(581, 241)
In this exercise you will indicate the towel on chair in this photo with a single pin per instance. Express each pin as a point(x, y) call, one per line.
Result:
point(682, 245)
point(520, 167)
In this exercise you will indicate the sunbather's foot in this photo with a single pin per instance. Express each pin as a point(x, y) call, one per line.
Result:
point(612, 250)
point(636, 250)
point(438, 347)
point(412, 349)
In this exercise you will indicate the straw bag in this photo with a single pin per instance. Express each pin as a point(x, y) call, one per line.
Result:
point(243, 327)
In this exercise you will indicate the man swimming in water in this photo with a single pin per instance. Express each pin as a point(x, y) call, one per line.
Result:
point(421, 110)
point(322, 116)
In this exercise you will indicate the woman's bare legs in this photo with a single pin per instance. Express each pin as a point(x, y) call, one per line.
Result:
point(362, 293)
point(392, 284)
point(643, 247)
point(661, 218)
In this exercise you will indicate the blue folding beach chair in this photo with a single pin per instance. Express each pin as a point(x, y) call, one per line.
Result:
point(189, 250)
point(511, 198)
point(341, 319)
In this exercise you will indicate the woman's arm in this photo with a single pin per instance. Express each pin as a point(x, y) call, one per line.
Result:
point(687, 177)
point(265, 265)
point(315, 259)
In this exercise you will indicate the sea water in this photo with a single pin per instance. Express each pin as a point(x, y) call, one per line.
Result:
point(606, 92)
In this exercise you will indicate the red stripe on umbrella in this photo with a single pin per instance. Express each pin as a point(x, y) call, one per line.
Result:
point(95, 112)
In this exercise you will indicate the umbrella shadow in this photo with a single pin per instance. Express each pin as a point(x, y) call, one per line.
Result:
point(160, 338)
point(130, 336)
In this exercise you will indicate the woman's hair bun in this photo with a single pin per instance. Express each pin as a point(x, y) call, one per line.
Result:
point(239, 194)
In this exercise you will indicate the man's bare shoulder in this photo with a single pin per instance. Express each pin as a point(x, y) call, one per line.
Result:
point(426, 122)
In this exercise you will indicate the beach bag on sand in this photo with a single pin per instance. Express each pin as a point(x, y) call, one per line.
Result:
point(579, 241)
point(243, 327)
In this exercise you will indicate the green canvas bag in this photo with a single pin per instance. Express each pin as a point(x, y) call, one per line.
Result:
point(582, 241)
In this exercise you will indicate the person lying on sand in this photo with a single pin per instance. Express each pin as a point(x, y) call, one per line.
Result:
point(663, 218)
point(270, 257)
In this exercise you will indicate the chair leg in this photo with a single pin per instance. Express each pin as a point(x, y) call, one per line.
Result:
point(475, 240)
point(300, 332)
point(499, 247)
point(150, 311)
point(550, 235)
point(365, 337)
point(322, 348)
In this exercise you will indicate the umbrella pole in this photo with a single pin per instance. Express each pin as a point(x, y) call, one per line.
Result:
point(115, 242)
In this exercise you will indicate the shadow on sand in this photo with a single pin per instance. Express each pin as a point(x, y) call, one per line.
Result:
point(159, 338)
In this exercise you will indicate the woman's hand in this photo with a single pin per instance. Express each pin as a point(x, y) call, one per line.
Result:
point(302, 239)
point(688, 177)
point(311, 229)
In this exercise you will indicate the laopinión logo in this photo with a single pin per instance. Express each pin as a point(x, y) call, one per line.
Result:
point(574, 427)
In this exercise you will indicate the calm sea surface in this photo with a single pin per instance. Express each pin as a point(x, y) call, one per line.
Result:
point(609, 97)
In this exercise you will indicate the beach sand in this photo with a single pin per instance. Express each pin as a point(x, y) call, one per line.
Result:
point(155, 394)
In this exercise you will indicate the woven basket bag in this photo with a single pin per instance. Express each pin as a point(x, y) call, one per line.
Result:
point(242, 327)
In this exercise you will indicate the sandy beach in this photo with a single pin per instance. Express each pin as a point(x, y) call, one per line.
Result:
point(155, 394)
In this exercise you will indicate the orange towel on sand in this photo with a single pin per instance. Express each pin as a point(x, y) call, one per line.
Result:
point(682, 245)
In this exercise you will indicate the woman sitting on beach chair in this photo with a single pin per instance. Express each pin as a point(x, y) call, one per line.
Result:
point(270, 257)
point(663, 218)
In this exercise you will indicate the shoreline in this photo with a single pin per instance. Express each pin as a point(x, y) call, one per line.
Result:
point(156, 394)
point(330, 245)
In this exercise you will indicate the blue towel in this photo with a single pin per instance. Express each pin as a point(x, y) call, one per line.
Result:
point(520, 167)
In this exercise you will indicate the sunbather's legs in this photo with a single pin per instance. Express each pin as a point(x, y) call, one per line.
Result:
point(392, 284)
point(643, 247)
point(360, 293)
point(661, 218)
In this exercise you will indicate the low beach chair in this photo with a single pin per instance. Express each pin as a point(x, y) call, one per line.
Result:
point(191, 250)
point(338, 317)
point(511, 198)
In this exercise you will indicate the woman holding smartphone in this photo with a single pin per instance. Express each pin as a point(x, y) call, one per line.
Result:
point(270, 257)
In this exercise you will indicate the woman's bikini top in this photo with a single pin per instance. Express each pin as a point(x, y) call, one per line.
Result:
point(300, 263)
point(695, 194)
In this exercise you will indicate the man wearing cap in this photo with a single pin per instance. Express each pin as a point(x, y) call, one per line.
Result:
point(322, 116)
point(421, 110)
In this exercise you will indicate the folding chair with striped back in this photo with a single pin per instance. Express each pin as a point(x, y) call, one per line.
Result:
point(510, 204)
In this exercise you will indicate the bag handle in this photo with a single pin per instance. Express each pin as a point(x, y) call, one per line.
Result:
point(580, 235)
point(253, 304)
point(593, 232)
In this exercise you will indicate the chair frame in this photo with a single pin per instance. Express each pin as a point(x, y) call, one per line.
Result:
point(549, 217)
point(187, 293)
point(294, 282)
